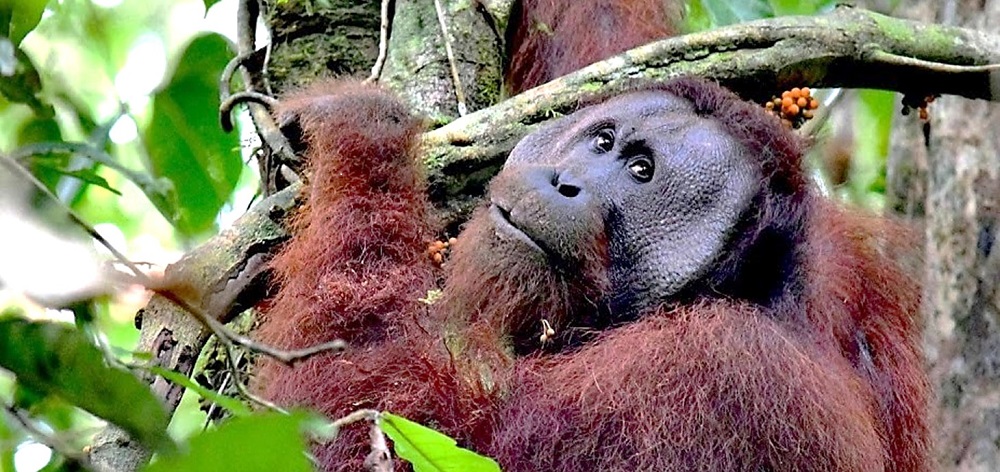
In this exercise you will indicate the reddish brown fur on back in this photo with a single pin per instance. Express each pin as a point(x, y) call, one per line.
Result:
point(859, 286)
point(713, 386)
point(551, 38)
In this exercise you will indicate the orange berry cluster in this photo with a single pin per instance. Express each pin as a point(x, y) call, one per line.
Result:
point(438, 250)
point(920, 104)
point(794, 107)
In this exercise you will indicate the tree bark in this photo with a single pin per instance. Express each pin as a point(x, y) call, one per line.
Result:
point(952, 182)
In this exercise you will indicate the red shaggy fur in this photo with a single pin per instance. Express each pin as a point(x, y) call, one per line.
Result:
point(831, 381)
point(551, 38)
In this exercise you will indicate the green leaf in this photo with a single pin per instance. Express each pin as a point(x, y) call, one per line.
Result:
point(20, 81)
point(874, 113)
point(55, 359)
point(8, 444)
point(21, 17)
point(185, 142)
point(800, 7)
point(263, 442)
point(234, 406)
point(209, 3)
point(87, 175)
point(36, 130)
point(160, 191)
point(696, 17)
point(727, 12)
point(429, 450)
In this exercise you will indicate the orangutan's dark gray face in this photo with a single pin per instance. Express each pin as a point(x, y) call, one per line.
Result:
point(660, 187)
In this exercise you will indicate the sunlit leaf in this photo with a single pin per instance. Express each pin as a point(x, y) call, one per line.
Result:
point(87, 175)
point(21, 16)
point(160, 191)
point(429, 450)
point(8, 441)
point(37, 130)
point(263, 442)
point(727, 12)
point(56, 359)
point(874, 112)
point(186, 144)
point(23, 85)
point(696, 17)
point(800, 7)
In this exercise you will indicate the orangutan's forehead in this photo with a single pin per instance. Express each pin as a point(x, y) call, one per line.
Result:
point(642, 104)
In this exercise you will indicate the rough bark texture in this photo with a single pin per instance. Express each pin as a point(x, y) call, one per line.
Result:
point(418, 66)
point(953, 183)
point(314, 38)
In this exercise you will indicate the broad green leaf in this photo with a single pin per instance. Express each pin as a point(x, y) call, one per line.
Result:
point(22, 84)
point(872, 129)
point(21, 16)
point(186, 144)
point(209, 3)
point(800, 7)
point(727, 12)
point(55, 359)
point(8, 442)
point(429, 450)
point(86, 175)
point(55, 412)
point(696, 17)
point(263, 442)
point(37, 130)
point(234, 406)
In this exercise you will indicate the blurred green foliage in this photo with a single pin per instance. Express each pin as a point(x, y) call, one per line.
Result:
point(113, 106)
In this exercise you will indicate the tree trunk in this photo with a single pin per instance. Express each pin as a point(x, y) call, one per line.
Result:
point(951, 180)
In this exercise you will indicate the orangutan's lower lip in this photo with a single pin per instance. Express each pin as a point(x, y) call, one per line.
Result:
point(501, 218)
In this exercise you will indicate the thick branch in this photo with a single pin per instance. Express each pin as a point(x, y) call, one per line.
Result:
point(849, 47)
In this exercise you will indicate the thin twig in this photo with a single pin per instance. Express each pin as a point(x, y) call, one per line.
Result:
point(228, 336)
point(226, 79)
point(812, 127)
point(17, 168)
point(380, 458)
point(889, 58)
point(267, 128)
point(226, 107)
point(354, 417)
point(452, 63)
point(49, 440)
point(384, 32)
point(241, 385)
point(227, 377)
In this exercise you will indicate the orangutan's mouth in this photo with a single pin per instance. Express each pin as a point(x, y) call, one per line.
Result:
point(504, 227)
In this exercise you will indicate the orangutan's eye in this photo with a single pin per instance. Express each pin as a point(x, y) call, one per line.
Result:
point(641, 168)
point(604, 142)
